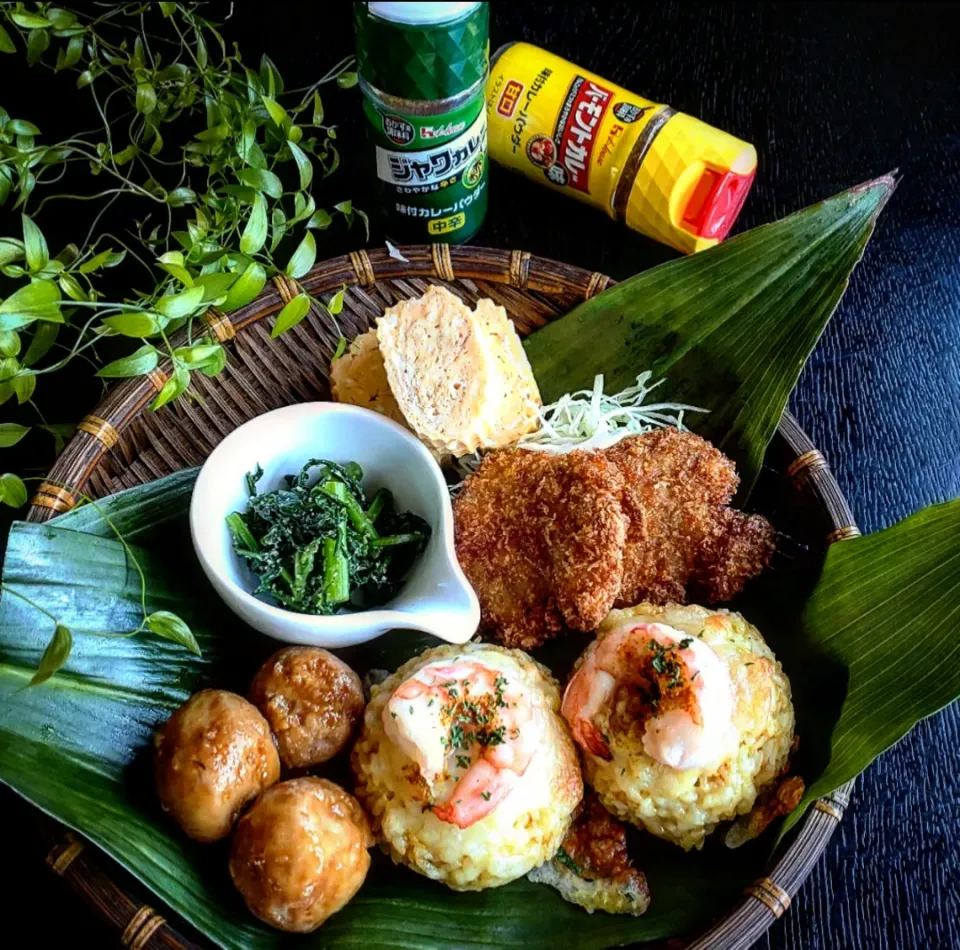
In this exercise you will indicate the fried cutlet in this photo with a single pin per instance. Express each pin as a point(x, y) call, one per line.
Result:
point(541, 539)
point(684, 543)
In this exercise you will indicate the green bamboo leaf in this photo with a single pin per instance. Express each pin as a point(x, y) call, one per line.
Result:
point(35, 245)
point(133, 324)
point(11, 433)
point(261, 179)
point(12, 490)
point(729, 328)
point(883, 616)
point(55, 655)
point(6, 43)
point(291, 314)
point(246, 287)
point(304, 165)
point(303, 257)
point(39, 300)
point(143, 360)
point(171, 627)
point(182, 304)
point(174, 387)
point(255, 232)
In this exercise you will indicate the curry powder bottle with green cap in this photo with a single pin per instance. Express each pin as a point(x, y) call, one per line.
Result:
point(423, 69)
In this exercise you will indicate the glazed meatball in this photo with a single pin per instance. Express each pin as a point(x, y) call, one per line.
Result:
point(213, 756)
point(313, 702)
point(301, 853)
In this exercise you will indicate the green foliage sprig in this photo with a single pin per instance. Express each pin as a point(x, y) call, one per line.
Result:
point(223, 159)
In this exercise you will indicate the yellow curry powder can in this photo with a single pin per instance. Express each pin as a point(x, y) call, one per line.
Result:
point(663, 173)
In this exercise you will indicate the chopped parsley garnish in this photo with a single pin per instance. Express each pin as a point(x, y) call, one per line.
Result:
point(485, 796)
point(463, 762)
point(685, 642)
point(568, 862)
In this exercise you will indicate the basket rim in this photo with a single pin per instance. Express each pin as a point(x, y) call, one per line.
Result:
point(763, 901)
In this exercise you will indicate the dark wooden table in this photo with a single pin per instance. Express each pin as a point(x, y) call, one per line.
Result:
point(831, 94)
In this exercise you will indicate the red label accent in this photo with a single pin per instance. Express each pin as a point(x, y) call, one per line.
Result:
point(509, 98)
point(576, 130)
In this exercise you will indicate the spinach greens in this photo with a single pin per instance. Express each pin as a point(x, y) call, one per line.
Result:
point(316, 545)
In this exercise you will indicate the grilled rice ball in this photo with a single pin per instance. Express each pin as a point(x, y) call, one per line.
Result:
point(313, 702)
point(683, 716)
point(465, 767)
point(213, 756)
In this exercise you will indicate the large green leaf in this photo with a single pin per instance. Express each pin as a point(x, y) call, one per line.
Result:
point(884, 618)
point(730, 328)
point(79, 747)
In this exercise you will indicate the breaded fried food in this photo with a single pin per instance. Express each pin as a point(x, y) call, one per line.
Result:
point(541, 539)
point(683, 542)
point(592, 867)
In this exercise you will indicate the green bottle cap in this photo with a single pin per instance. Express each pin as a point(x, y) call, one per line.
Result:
point(422, 50)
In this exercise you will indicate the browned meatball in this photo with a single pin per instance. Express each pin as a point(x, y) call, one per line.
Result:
point(214, 755)
point(313, 702)
point(301, 853)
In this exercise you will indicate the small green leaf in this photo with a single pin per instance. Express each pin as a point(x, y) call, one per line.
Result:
point(84, 79)
point(181, 196)
point(142, 361)
point(127, 154)
point(34, 244)
point(304, 165)
point(320, 220)
point(22, 127)
point(178, 271)
point(9, 343)
point(193, 357)
point(44, 336)
point(270, 76)
point(341, 348)
point(292, 313)
point(335, 304)
point(6, 43)
point(71, 287)
point(255, 232)
point(276, 112)
point(303, 257)
point(317, 109)
point(171, 627)
point(61, 431)
point(38, 42)
point(29, 21)
point(107, 258)
point(182, 304)
point(246, 287)
point(55, 655)
point(11, 434)
point(215, 364)
point(39, 300)
point(134, 323)
point(24, 386)
point(168, 9)
point(261, 179)
point(146, 98)
point(174, 387)
point(12, 490)
point(347, 80)
point(74, 48)
point(215, 286)
point(11, 249)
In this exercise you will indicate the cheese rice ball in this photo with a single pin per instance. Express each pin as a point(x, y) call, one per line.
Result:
point(465, 766)
point(683, 715)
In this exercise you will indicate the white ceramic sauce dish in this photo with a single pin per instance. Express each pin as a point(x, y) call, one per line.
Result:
point(435, 597)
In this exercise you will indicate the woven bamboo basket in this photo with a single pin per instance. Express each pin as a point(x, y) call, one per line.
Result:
point(122, 444)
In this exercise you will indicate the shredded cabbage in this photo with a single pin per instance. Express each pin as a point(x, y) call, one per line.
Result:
point(589, 419)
